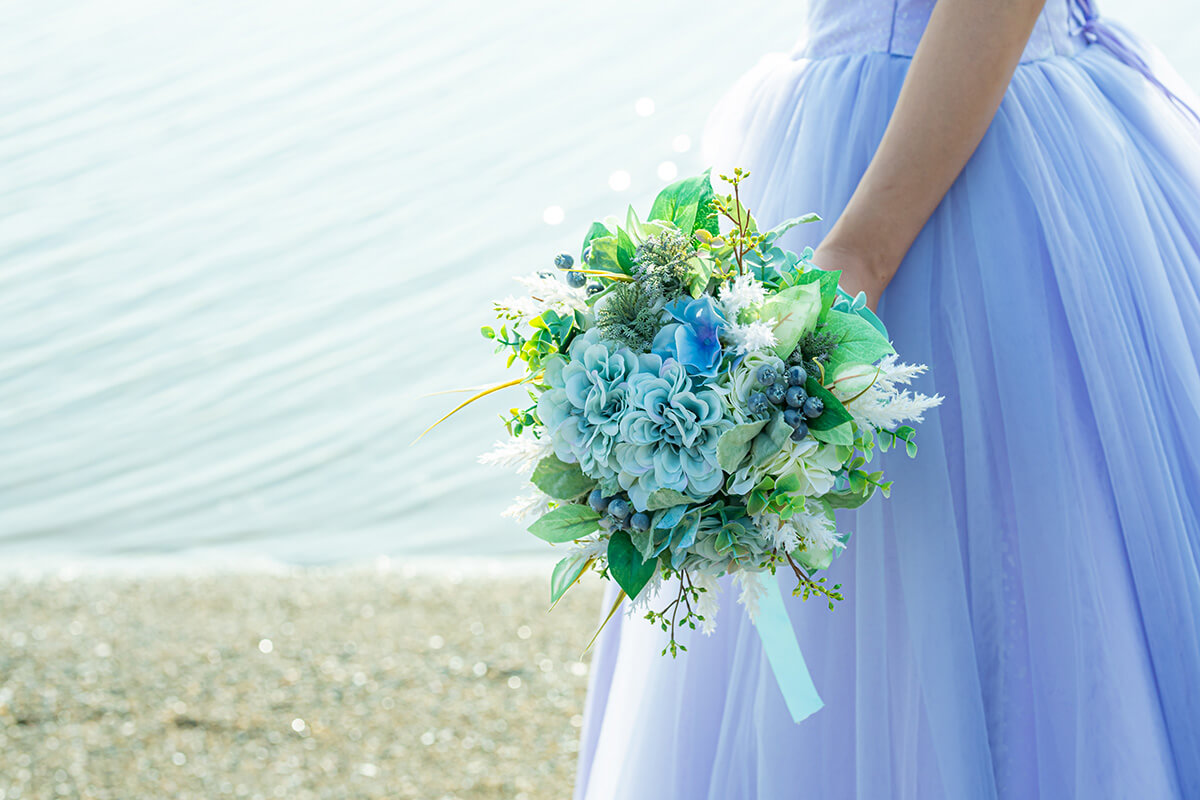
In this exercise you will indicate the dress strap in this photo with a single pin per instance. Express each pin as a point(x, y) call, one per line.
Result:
point(1095, 29)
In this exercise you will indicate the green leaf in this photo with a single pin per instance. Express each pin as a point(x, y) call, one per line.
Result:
point(785, 226)
point(828, 281)
point(734, 444)
point(835, 413)
point(560, 480)
point(838, 434)
point(795, 311)
point(688, 204)
point(566, 524)
point(627, 566)
point(858, 342)
point(595, 231)
point(604, 256)
point(625, 251)
point(771, 440)
point(666, 498)
point(847, 499)
point(566, 572)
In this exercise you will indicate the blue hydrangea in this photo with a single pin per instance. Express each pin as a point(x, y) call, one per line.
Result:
point(694, 339)
point(582, 410)
point(669, 433)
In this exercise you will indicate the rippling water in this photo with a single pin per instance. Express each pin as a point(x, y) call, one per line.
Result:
point(239, 241)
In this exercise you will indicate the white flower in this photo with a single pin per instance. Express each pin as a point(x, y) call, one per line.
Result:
point(882, 404)
point(751, 337)
point(533, 505)
point(520, 454)
point(752, 590)
point(745, 291)
point(544, 293)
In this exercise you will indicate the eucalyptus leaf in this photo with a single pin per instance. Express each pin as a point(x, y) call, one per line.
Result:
point(626, 565)
point(566, 524)
point(847, 499)
point(566, 572)
point(560, 480)
point(785, 226)
point(734, 444)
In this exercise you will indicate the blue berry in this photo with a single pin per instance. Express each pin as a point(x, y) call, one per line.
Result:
point(619, 508)
point(795, 397)
point(594, 288)
point(813, 407)
point(564, 261)
point(776, 392)
point(766, 375)
point(598, 501)
point(793, 418)
point(796, 376)
point(758, 403)
point(640, 521)
point(576, 279)
point(800, 432)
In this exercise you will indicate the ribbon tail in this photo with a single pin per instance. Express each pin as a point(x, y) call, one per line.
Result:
point(783, 651)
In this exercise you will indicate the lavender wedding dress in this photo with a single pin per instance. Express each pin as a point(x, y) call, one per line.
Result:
point(1023, 616)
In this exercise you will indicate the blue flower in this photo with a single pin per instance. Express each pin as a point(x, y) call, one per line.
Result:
point(668, 434)
point(694, 339)
point(582, 410)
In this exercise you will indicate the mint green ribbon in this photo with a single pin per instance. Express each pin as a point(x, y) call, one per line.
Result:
point(783, 651)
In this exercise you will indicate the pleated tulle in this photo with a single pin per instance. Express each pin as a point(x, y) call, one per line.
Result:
point(1023, 616)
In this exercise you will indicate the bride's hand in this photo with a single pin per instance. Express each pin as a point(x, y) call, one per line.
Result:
point(859, 273)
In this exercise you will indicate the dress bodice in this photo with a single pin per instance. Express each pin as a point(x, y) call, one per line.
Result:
point(839, 27)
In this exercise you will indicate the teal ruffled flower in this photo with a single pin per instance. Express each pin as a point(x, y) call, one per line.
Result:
point(583, 409)
point(669, 433)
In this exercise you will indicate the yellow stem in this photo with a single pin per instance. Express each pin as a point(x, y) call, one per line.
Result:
point(581, 574)
point(468, 402)
point(616, 276)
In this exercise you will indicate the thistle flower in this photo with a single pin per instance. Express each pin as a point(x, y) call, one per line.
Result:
point(751, 337)
point(744, 291)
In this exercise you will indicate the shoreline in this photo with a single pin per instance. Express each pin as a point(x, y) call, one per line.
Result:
point(380, 680)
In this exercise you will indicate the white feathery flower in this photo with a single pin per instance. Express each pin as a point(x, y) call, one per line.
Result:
point(594, 546)
point(752, 591)
point(872, 394)
point(745, 291)
point(750, 337)
point(521, 453)
point(816, 531)
point(554, 293)
point(532, 505)
point(783, 535)
point(648, 594)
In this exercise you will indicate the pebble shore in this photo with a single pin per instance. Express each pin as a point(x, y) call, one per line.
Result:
point(299, 683)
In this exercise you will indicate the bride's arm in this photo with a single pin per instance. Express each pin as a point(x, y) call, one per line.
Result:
point(957, 79)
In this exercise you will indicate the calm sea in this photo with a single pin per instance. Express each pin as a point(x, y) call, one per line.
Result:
point(240, 241)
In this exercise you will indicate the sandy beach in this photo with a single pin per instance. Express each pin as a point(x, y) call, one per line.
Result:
point(363, 682)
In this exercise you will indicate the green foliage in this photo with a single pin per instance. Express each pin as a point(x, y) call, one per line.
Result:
point(661, 264)
point(771, 440)
point(795, 311)
point(734, 444)
point(566, 524)
point(630, 317)
point(560, 480)
point(688, 204)
point(904, 433)
point(666, 498)
point(857, 340)
point(626, 565)
point(835, 413)
point(814, 346)
point(566, 572)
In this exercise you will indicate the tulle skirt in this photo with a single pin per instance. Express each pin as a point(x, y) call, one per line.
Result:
point(1023, 615)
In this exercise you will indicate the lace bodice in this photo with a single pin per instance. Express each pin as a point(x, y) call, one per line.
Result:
point(839, 27)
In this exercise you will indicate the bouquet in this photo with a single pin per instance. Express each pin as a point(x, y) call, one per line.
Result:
point(700, 401)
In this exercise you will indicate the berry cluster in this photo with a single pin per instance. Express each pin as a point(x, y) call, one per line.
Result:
point(575, 278)
point(618, 513)
point(786, 390)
